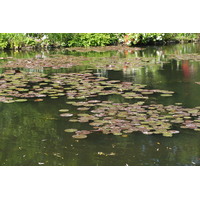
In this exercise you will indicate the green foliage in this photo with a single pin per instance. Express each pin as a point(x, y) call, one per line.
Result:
point(19, 40)
point(15, 40)
point(76, 39)
point(131, 39)
point(58, 39)
point(145, 38)
point(92, 39)
point(3, 40)
point(186, 36)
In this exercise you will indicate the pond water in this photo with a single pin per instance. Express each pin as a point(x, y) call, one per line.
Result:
point(32, 133)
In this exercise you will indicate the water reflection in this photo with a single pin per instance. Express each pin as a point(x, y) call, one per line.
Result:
point(186, 69)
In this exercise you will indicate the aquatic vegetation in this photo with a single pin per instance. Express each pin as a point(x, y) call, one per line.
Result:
point(105, 48)
point(82, 136)
point(116, 63)
point(66, 114)
point(125, 118)
point(106, 117)
point(38, 100)
point(55, 62)
point(166, 95)
point(70, 130)
point(59, 61)
point(63, 110)
point(82, 132)
point(192, 56)
point(20, 100)
point(81, 86)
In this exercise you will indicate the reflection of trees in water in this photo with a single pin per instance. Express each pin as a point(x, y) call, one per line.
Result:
point(22, 134)
point(23, 53)
point(158, 150)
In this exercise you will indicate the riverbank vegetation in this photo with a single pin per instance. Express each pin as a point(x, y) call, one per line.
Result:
point(46, 40)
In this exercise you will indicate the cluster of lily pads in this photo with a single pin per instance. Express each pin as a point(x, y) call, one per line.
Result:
point(192, 56)
point(57, 61)
point(85, 85)
point(53, 61)
point(105, 48)
point(124, 118)
point(18, 86)
point(103, 116)
point(117, 63)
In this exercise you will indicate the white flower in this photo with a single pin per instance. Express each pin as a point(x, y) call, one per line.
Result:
point(159, 38)
point(44, 37)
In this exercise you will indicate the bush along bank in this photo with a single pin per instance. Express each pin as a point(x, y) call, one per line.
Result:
point(45, 40)
point(132, 39)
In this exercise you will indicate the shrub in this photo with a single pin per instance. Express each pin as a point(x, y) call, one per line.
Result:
point(92, 39)
point(131, 39)
point(14, 40)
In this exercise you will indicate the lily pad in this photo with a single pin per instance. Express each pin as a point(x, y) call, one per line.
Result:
point(63, 110)
point(166, 95)
point(84, 132)
point(82, 136)
point(70, 130)
point(66, 114)
point(20, 100)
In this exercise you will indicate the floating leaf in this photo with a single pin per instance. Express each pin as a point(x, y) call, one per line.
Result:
point(63, 110)
point(82, 136)
point(116, 133)
point(20, 100)
point(38, 100)
point(84, 132)
point(166, 95)
point(70, 130)
point(66, 115)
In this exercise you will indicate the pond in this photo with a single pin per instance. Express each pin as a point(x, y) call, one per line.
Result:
point(34, 132)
